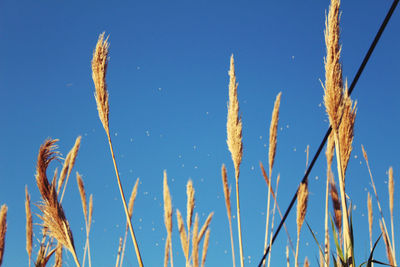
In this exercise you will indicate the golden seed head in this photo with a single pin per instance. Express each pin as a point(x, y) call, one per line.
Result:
point(391, 190)
point(273, 132)
point(302, 201)
point(99, 70)
point(234, 123)
point(167, 206)
point(333, 69)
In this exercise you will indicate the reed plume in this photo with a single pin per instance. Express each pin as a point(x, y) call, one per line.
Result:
point(333, 69)
point(168, 214)
point(53, 215)
point(273, 133)
point(29, 225)
point(370, 219)
point(82, 193)
point(99, 69)
point(195, 242)
point(205, 226)
point(234, 141)
point(3, 229)
point(271, 159)
point(189, 205)
point(205, 248)
point(68, 165)
point(183, 236)
point(333, 100)
point(391, 197)
point(302, 202)
point(227, 195)
point(346, 129)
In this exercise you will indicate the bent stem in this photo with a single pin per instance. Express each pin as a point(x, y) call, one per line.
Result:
point(139, 258)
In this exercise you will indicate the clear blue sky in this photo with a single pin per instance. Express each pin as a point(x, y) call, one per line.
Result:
point(168, 86)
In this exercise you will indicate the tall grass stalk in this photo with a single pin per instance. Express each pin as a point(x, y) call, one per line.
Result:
point(235, 145)
point(99, 69)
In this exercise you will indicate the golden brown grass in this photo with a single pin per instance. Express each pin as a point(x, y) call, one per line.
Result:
point(227, 195)
point(53, 216)
point(68, 165)
point(168, 218)
point(205, 248)
point(3, 229)
point(340, 110)
point(99, 69)
point(370, 218)
point(391, 200)
point(271, 159)
point(29, 225)
point(82, 193)
point(234, 141)
point(302, 202)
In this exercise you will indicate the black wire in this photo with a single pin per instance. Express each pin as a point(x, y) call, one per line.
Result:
point(321, 146)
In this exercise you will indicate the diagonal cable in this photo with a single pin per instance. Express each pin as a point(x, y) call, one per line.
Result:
point(321, 146)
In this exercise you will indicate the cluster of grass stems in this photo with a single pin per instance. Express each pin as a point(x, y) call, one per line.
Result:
point(56, 234)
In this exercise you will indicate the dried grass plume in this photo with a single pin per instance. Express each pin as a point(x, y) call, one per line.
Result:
point(234, 123)
point(99, 70)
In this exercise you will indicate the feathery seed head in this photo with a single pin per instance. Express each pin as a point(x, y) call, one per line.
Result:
point(370, 215)
point(333, 69)
point(391, 190)
point(346, 129)
point(82, 193)
point(99, 70)
point(132, 198)
point(234, 123)
point(273, 132)
point(227, 193)
point(182, 234)
point(302, 201)
point(167, 206)
point(190, 203)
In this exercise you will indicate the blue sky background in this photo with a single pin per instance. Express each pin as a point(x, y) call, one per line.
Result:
point(168, 86)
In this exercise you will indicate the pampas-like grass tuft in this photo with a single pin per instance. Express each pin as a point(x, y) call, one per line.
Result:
point(99, 71)
point(53, 215)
